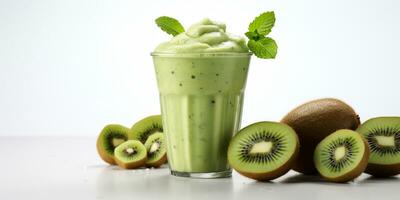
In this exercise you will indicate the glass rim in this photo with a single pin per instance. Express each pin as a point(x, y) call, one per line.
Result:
point(201, 54)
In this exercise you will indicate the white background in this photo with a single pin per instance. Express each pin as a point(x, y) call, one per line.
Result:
point(70, 67)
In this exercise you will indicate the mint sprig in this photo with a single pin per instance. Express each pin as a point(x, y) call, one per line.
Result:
point(170, 25)
point(259, 28)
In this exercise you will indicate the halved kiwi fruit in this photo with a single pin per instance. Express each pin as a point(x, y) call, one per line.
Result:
point(110, 137)
point(264, 150)
point(131, 154)
point(142, 129)
point(315, 120)
point(383, 136)
point(342, 156)
point(156, 150)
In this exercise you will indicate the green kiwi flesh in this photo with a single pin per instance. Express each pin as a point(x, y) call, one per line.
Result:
point(131, 154)
point(383, 136)
point(264, 150)
point(342, 156)
point(315, 120)
point(110, 137)
point(156, 150)
point(142, 129)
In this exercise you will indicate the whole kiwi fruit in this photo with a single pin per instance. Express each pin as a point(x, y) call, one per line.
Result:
point(315, 120)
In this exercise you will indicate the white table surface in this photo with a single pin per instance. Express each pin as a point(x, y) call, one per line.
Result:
point(69, 168)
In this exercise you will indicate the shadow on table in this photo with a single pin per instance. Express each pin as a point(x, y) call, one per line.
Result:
point(115, 167)
point(302, 178)
point(100, 166)
point(373, 179)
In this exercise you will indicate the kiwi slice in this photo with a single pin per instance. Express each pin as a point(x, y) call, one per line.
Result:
point(110, 137)
point(264, 150)
point(156, 150)
point(342, 156)
point(315, 120)
point(383, 136)
point(131, 154)
point(142, 129)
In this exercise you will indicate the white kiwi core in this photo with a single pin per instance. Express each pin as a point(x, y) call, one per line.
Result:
point(154, 147)
point(340, 153)
point(130, 150)
point(385, 141)
point(261, 147)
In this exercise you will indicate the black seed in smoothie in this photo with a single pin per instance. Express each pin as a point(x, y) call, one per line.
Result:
point(180, 84)
point(172, 72)
point(201, 88)
point(244, 69)
point(213, 101)
point(193, 76)
point(216, 74)
point(219, 91)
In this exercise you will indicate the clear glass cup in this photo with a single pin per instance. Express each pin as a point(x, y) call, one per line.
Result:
point(201, 97)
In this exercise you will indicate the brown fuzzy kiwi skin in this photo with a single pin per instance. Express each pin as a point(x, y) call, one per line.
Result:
point(160, 162)
point(133, 165)
point(315, 120)
point(278, 172)
point(356, 172)
point(378, 170)
point(103, 155)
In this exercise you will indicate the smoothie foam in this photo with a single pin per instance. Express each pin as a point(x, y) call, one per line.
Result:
point(204, 36)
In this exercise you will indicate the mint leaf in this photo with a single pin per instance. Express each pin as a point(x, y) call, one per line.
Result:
point(170, 25)
point(265, 48)
point(263, 23)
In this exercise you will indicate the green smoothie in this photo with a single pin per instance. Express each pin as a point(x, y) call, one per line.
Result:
point(201, 77)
